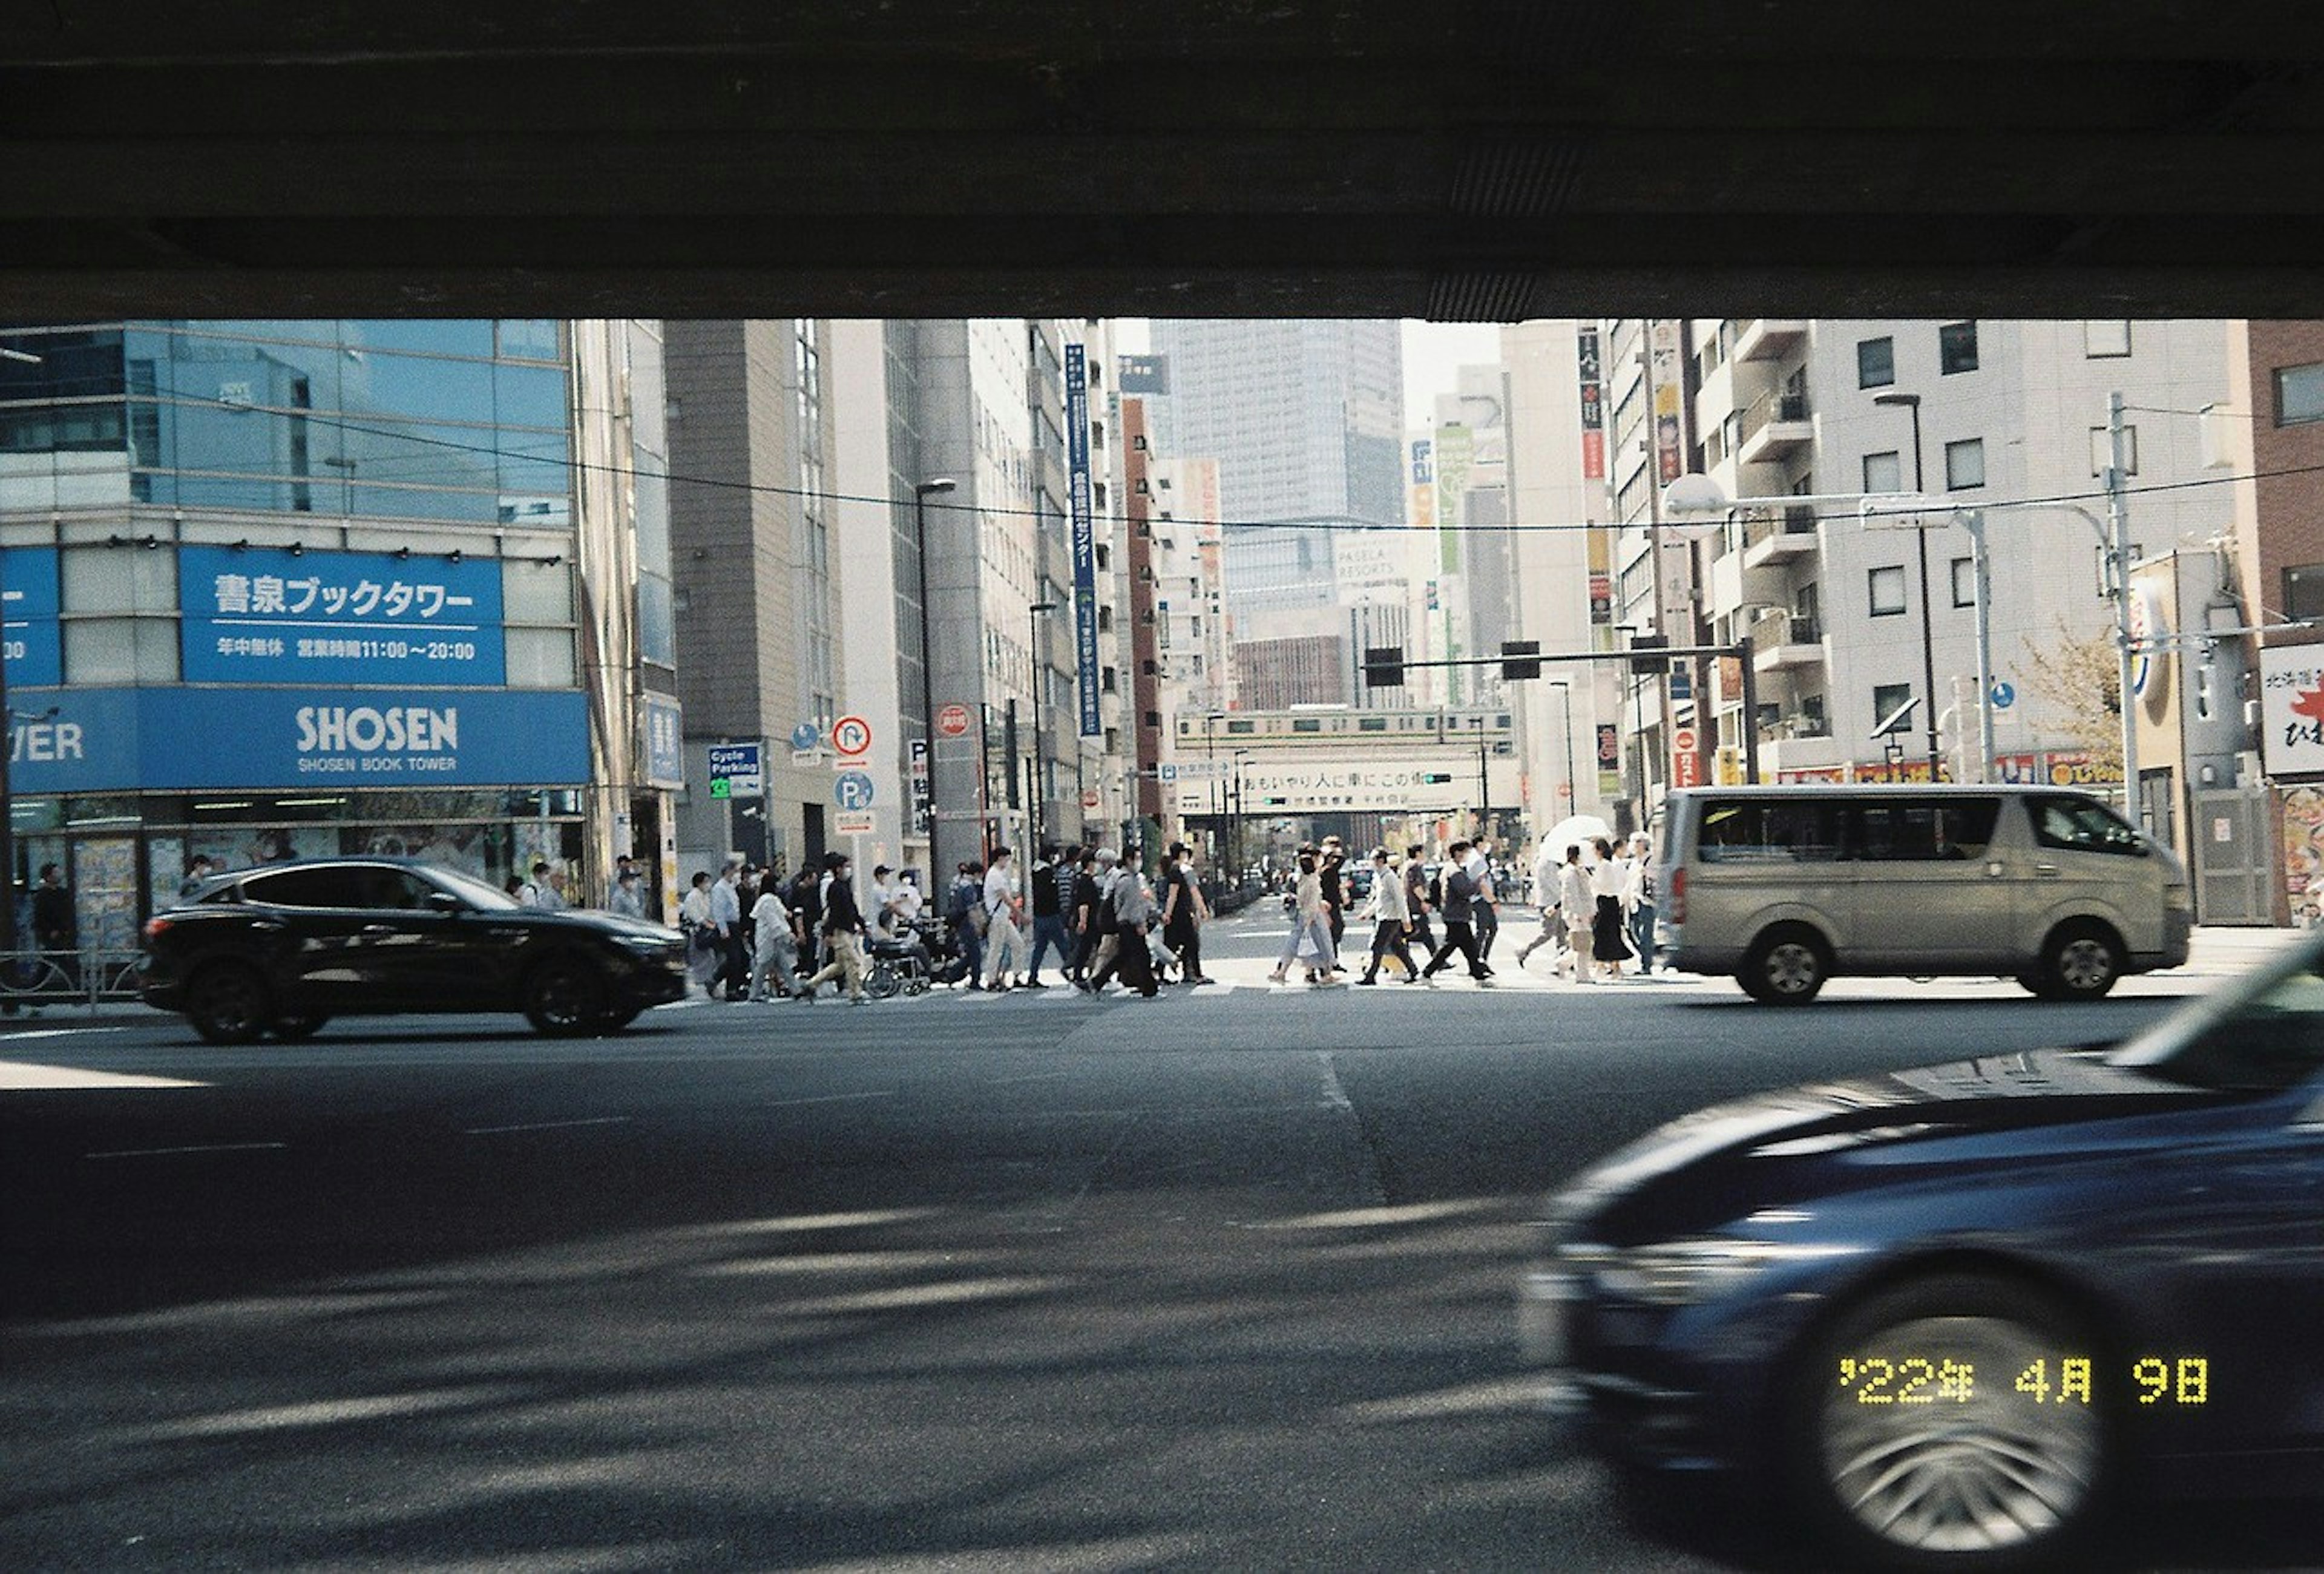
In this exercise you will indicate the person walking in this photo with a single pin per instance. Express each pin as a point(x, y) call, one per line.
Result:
point(1131, 907)
point(1184, 914)
point(1048, 914)
point(1460, 894)
point(629, 897)
point(727, 924)
point(1638, 902)
point(1103, 942)
point(1417, 903)
point(1004, 941)
point(702, 957)
point(1081, 907)
point(1610, 948)
point(1547, 865)
point(1484, 908)
point(1331, 869)
point(1579, 903)
point(774, 944)
point(843, 932)
point(965, 909)
point(1391, 919)
point(1309, 944)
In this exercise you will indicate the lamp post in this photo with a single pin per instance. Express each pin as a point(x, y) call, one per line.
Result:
point(1234, 816)
point(1572, 805)
point(1912, 402)
point(1033, 615)
point(920, 495)
point(1210, 764)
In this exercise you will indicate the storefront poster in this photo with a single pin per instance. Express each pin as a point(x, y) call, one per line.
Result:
point(262, 616)
point(28, 594)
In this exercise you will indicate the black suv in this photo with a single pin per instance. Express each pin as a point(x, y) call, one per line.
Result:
point(285, 947)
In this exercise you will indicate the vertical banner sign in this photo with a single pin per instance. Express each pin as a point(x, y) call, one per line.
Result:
point(1609, 760)
point(1663, 361)
point(1593, 406)
point(1078, 461)
point(1456, 449)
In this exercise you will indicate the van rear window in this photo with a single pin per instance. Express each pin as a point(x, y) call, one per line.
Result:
point(1754, 831)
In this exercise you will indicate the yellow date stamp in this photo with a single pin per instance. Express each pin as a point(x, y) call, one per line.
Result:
point(1935, 1379)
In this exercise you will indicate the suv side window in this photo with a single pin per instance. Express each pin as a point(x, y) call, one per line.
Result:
point(1924, 830)
point(1756, 831)
point(327, 886)
point(2079, 826)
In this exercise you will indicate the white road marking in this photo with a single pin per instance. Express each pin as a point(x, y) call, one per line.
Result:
point(833, 1099)
point(147, 1153)
point(547, 1125)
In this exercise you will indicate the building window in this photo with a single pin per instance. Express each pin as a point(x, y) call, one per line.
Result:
point(1888, 702)
point(2303, 591)
point(1888, 588)
point(1964, 581)
point(1965, 465)
point(1875, 362)
point(2299, 394)
point(2105, 340)
point(1884, 472)
point(1306, 725)
point(2102, 450)
point(1955, 347)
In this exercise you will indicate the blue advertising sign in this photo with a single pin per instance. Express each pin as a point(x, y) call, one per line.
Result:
point(28, 594)
point(1077, 466)
point(339, 617)
point(111, 740)
point(665, 725)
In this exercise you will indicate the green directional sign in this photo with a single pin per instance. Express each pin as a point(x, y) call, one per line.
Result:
point(720, 787)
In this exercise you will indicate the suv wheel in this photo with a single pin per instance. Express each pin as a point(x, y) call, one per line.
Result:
point(228, 1002)
point(1931, 1426)
point(1785, 966)
point(2081, 961)
point(564, 998)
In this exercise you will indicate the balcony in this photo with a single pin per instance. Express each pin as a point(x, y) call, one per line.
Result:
point(1782, 642)
point(1771, 537)
point(1775, 427)
point(1767, 338)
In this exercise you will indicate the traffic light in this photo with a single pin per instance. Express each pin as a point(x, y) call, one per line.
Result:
point(1513, 663)
point(1436, 776)
point(1644, 665)
point(1383, 667)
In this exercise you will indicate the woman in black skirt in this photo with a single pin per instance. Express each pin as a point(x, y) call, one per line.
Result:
point(1610, 948)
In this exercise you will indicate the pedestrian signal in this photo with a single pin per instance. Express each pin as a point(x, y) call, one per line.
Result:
point(1513, 663)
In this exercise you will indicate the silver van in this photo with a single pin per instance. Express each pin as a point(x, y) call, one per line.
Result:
point(1785, 887)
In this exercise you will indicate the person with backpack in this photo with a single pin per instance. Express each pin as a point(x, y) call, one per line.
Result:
point(1131, 909)
point(964, 911)
point(1052, 883)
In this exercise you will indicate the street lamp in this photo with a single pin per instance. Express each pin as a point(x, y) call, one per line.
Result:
point(1912, 402)
point(920, 495)
point(1033, 615)
point(1572, 805)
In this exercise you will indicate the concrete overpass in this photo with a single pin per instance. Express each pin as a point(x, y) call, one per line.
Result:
point(1497, 160)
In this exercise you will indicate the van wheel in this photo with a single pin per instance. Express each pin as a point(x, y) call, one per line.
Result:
point(2081, 961)
point(1785, 966)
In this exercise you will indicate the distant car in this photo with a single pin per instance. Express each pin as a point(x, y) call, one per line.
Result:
point(283, 948)
point(1955, 1314)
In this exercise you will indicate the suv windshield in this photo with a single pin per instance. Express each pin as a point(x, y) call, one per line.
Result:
point(2268, 1036)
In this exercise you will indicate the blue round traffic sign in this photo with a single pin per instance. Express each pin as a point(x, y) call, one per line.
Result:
point(852, 789)
point(2004, 696)
point(806, 735)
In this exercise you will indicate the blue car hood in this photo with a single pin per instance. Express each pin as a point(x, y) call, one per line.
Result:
point(1710, 1150)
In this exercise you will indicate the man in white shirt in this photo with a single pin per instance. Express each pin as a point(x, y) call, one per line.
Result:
point(1004, 943)
point(726, 919)
point(1547, 865)
point(1638, 902)
point(1484, 908)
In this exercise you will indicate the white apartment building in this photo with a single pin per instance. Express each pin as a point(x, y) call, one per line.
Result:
point(2006, 418)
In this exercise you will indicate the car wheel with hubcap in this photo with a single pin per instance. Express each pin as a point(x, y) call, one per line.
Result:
point(228, 1002)
point(1921, 1438)
point(2081, 961)
point(564, 998)
point(1786, 966)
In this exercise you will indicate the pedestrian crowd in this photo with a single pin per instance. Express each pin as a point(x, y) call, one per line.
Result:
point(754, 937)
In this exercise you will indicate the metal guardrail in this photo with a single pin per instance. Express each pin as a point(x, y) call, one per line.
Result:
point(91, 977)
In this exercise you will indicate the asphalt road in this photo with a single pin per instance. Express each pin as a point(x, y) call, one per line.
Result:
point(1033, 1282)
